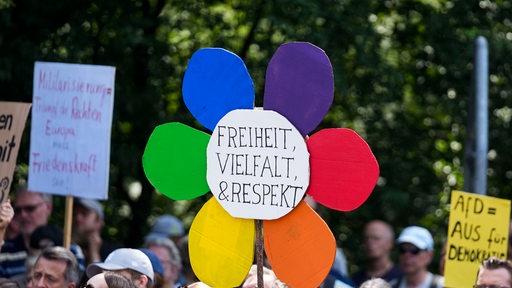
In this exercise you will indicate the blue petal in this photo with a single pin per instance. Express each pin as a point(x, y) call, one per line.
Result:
point(216, 82)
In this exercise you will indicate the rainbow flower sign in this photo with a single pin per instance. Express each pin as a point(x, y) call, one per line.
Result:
point(259, 164)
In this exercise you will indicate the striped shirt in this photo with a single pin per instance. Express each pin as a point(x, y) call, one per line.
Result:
point(14, 254)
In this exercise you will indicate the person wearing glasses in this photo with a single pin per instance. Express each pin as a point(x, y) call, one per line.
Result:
point(416, 249)
point(169, 256)
point(55, 267)
point(494, 273)
point(31, 210)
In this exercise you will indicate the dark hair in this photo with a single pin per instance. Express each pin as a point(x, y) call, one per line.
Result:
point(62, 254)
point(116, 280)
point(493, 263)
point(136, 275)
point(51, 233)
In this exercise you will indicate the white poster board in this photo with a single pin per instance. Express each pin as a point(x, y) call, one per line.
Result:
point(257, 164)
point(70, 134)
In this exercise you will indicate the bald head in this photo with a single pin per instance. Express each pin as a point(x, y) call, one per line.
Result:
point(378, 239)
point(382, 228)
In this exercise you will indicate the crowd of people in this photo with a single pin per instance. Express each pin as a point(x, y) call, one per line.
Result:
point(32, 254)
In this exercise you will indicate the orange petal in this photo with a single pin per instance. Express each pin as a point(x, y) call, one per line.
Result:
point(221, 247)
point(300, 247)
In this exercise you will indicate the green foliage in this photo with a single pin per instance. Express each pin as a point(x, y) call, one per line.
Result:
point(403, 73)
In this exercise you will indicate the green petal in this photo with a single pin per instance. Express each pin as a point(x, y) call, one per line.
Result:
point(175, 161)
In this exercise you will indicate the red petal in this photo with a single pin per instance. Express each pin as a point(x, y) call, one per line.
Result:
point(344, 170)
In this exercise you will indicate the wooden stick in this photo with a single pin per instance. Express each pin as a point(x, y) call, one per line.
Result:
point(259, 252)
point(68, 221)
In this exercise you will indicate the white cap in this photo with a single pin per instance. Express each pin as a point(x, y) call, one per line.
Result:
point(417, 236)
point(123, 258)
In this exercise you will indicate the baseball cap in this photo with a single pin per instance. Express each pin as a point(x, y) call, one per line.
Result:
point(155, 262)
point(418, 236)
point(91, 205)
point(123, 258)
point(167, 226)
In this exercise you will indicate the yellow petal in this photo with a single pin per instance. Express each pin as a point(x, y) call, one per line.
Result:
point(221, 247)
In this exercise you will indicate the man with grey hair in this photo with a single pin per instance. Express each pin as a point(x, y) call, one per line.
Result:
point(494, 272)
point(31, 210)
point(167, 252)
point(375, 283)
point(55, 267)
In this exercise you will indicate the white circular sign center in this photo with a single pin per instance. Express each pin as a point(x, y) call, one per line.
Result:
point(257, 164)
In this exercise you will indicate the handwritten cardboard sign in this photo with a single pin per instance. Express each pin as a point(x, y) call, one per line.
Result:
point(257, 164)
point(477, 229)
point(70, 133)
point(12, 122)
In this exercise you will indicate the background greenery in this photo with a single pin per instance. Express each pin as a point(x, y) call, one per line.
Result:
point(402, 69)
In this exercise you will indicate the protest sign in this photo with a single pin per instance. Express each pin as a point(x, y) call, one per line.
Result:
point(257, 164)
point(70, 133)
point(12, 122)
point(477, 229)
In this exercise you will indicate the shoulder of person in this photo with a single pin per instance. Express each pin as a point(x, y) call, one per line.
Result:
point(395, 283)
point(437, 281)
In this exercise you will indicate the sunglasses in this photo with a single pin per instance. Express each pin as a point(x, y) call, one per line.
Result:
point(412, 250)
point(27, 208)
point(87, 286)
point(489, 286)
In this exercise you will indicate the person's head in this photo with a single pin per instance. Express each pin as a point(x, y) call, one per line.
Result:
point(31, 210)
point(167, 226)
point(109, 280)
point(8, 283)
point(87, 217)
point(415, 247)
point(494, 273)
point(251, 280)
point(168, 254)
point(132, 263)
point(378, 239)
point(375, 283)
point(55, 267)
point(158, 269)
point(46, 236)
